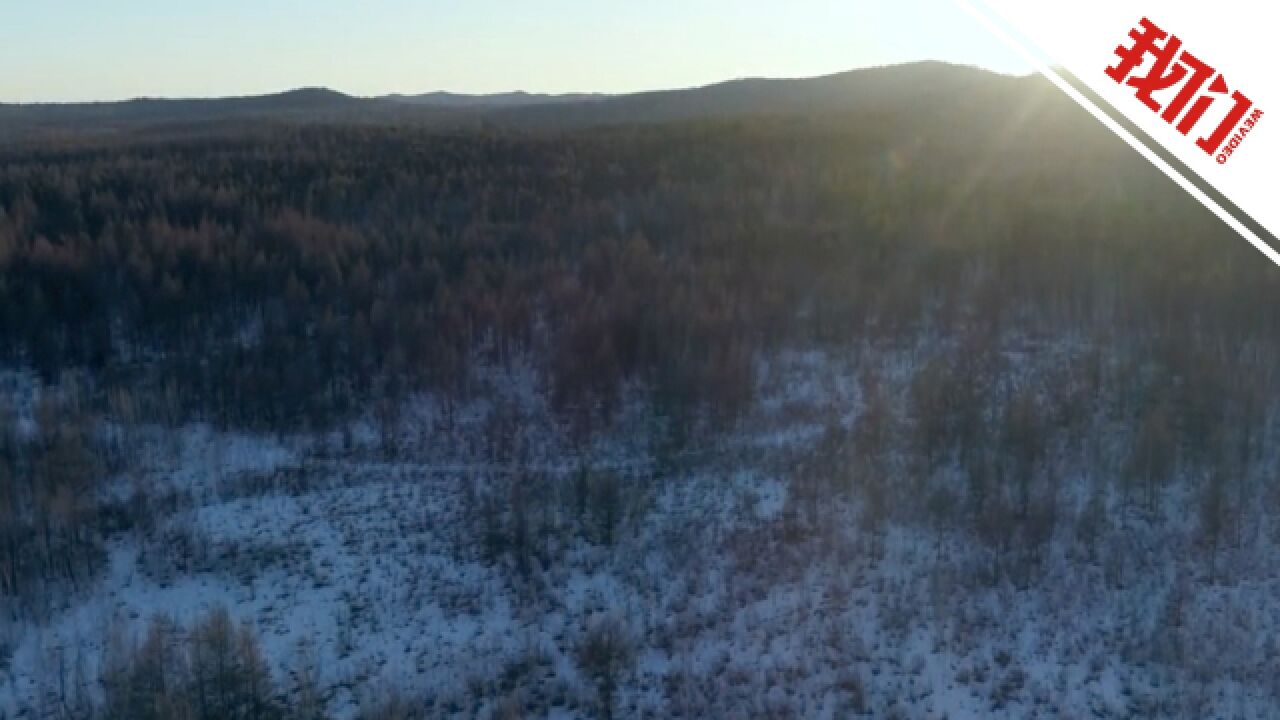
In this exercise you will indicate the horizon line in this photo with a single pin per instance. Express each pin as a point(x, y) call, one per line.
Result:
point(499, 93)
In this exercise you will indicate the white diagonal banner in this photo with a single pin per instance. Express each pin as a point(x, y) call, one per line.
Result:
point(1197, 80)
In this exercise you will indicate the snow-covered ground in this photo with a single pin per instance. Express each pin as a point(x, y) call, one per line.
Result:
point(368, 570)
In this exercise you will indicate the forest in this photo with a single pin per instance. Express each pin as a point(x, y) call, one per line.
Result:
point(1060, 308)
point(274, 280)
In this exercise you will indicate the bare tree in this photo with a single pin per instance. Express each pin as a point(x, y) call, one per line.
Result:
point(605, 653)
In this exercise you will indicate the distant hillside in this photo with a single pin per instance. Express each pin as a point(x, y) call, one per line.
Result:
point(495, 100)
point(891, 88)
point(916, 87)
point(301, 103)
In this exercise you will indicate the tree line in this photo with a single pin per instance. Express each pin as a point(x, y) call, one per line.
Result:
point(273, 279)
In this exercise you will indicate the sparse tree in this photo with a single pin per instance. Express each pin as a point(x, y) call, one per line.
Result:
point(605, 654)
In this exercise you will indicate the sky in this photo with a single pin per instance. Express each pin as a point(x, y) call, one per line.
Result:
point(80, 50)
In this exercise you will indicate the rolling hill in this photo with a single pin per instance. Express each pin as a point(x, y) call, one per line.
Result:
point(910, 88)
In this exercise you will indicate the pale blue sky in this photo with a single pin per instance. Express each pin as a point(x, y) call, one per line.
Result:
point(61, 50)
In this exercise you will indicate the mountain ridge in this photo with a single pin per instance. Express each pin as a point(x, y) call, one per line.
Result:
point(891, 85)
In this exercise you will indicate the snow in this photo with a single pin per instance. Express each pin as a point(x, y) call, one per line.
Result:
point(369, 566)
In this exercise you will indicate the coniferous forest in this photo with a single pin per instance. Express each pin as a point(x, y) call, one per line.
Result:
point(900, 409)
